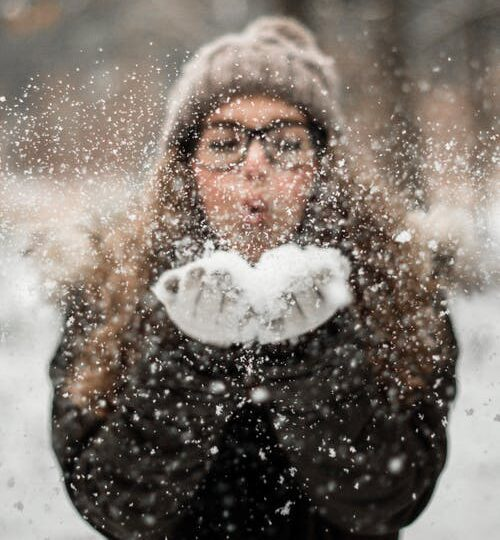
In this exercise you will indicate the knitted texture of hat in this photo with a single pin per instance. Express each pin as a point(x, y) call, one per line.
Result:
point(274, 56)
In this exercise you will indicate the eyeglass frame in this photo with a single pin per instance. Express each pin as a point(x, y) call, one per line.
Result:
point(316, 135)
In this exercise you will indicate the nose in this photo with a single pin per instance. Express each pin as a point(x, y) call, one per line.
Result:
point(256, 165)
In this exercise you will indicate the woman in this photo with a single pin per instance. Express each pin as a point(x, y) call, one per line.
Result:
point(336, 432)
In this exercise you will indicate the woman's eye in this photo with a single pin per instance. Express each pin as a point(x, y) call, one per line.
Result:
point(223, 145)
point(289, 145)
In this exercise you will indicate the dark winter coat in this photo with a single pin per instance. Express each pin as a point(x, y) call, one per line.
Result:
point(193, 450)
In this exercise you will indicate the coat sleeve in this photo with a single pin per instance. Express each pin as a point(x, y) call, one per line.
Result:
point(131, 471)
point(369, 465)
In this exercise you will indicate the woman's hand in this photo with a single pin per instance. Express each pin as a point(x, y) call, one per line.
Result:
point(303, 305)
point(221, 299)
point(206, 304)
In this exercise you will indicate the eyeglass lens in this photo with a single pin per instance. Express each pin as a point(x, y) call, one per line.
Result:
point(286, 146)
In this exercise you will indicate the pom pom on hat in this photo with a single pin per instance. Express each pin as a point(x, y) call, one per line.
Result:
point(282, 28)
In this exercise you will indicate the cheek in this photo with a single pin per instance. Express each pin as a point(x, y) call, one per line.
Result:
point(214, 195)
point(291, 190)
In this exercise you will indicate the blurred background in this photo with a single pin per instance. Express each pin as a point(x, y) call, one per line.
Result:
point(83, 88)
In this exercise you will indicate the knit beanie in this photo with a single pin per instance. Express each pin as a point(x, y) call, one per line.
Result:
point(273, 56)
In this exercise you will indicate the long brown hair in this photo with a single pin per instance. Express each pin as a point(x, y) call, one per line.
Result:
point(350, 208)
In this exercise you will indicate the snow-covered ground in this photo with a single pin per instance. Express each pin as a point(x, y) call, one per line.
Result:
point(466, 501)
point(33, 502)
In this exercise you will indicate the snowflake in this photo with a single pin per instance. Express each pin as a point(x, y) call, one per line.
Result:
point(284, 510)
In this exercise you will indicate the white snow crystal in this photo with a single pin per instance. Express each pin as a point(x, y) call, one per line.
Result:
point(433, 245)
point(395, 464)
point(284, 510)
point(403, 237)
point(260, 394)
point(217, 387)
point(149, 519)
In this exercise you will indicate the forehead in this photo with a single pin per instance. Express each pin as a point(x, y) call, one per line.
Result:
point(256, 111)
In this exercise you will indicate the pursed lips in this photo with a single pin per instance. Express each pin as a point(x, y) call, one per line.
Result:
point(255, 210)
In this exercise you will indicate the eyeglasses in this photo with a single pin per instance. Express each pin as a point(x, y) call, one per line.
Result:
point(224, 145)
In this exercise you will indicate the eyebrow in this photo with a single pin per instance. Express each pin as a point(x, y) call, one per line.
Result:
point(235, 124)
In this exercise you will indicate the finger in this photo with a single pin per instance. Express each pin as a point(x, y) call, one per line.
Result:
point(294, 303)
point(171, 285)
point(250, 314)
point(198, 297)
point(320, 297)
point(222, 280)
point(309, 300)
point(193, 289)
point(323, 276)
point(194, 276)
point(276, 325)
point(229, 298)
point(247, 324)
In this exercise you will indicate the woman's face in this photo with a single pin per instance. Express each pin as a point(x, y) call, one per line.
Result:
point(254, 185)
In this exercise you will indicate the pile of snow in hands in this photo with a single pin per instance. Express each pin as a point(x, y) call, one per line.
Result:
point(221, 299)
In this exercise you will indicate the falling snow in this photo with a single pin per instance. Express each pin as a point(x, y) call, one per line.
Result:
point(247, 277)
point(285, 510)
